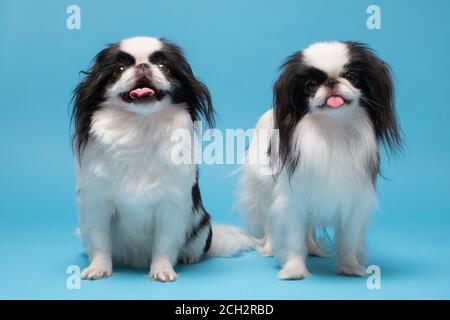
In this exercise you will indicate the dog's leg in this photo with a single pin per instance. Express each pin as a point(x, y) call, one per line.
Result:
point(350, 237)
point(170, 235)
point(266, 247)
point(289, 236)
point(95, 228)
point(294, 267)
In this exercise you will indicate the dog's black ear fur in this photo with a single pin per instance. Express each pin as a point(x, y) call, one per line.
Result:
point(290, 105)
point(190, 90)
point(89, 94)
point(378, 94)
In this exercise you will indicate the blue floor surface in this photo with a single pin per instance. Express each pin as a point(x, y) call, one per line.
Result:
point(414, 263)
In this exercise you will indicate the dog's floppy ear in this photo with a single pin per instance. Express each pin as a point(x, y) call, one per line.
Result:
point(190, 90)
point(379, 95)
point(290, 105)
point(89, 94)
point(382, 93)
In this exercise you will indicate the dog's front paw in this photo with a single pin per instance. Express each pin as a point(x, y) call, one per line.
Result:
point(293, 274)
point(353, 269)
point(162, 270)
point(100, 267)
point(96, 271)
point(293, 271)
point(163, 275)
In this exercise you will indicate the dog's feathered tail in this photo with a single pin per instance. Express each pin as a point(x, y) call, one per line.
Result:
point(228, 241)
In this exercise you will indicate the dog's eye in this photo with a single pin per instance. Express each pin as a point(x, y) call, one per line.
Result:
point(162, 66)
point(351, 76)
point(158, 58)
point(120, 67)
point(310, 86)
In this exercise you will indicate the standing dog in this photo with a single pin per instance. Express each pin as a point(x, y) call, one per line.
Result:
point(333, 107)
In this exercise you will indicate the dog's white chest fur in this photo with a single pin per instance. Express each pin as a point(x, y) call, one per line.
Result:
point(332, 178)
point(333, 168)
point(132, 156)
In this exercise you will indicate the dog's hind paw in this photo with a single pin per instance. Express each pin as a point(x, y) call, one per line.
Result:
point(351, 269)
point(190, 260)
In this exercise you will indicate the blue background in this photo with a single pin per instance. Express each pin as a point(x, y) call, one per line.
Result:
point(235, 47)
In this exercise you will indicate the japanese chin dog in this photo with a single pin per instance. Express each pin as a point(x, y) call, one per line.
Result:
point(314, 158)
point(137, 206)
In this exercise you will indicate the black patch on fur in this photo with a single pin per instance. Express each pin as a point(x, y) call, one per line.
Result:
point(196, 196)
point(188, 89)
point(198, 208)
point(208, 240)
point(296, 83)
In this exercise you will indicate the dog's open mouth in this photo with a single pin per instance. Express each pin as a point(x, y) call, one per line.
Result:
point(143, 92)
point(336, 101)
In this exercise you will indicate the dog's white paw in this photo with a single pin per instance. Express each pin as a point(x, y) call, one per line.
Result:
point(96, 271)
point(293, 274)
point(163, 275)
point(353, 269)
point(293, 271)
point(162, 270)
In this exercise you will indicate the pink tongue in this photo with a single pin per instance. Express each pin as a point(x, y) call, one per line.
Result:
point(141, 92)
point(335, 101)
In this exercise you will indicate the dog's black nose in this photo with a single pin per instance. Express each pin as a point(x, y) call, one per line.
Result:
point(143, 66)
point(331, 83)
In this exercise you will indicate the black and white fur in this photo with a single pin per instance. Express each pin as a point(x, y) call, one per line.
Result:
point(324, 161)
point(137, 207)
